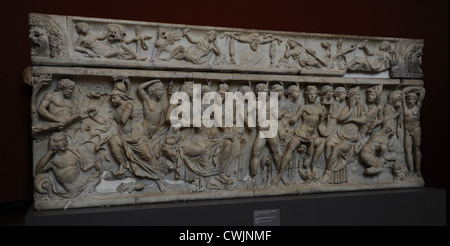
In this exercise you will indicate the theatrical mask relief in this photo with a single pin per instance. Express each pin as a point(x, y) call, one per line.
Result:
point(127, 112)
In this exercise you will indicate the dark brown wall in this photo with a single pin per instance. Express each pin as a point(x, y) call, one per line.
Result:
point(426, 20)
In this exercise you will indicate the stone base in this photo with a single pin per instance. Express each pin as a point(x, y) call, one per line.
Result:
point(416, 206)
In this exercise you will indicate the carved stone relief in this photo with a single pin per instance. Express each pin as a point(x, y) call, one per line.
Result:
point(106, 136)
point(113, 43)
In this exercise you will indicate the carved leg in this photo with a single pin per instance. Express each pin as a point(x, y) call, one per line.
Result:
point(177, 53)
point(256, 150)
point(408, 153)
point(417, 137)
point(116, 146)
point(319, 144)
point(292, 145)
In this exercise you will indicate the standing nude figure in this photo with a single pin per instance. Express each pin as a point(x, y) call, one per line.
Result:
point(258, 145)
point(150, 94)
point(312, 116)
point(412, 101)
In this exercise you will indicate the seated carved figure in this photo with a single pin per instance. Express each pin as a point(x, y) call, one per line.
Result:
point(58, 107)
point(69, 170)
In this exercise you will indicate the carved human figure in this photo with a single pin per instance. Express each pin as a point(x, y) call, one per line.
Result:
point(288, 108)
point(68, 169)
point(412, 102)
point(46, 37)
point(295, 50)
point(150, 94)
point(342, 143)
point(392, 112)
point(258, 145)
point(128, 146)
point(199, 52)
point(339, 93)
point(377, 144)
point(326, 93)
point(373, 62)
point(89, 43)
point(59, 106)
point(312, 116)
point(374, 114)
point(164, 39)
point(324, 60)
point(254, 57)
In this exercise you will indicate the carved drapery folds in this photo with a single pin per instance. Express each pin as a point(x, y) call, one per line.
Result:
point(103, 136)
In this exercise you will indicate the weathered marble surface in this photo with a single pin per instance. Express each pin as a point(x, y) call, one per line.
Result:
point(100, 103)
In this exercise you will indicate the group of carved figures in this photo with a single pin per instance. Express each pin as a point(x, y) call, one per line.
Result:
point(201, 49)
point(332, 122)
point(47, 39)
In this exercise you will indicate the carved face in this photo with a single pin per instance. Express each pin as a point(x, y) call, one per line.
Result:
point(189, 89)
point(67, 91)
point(294, 93)
point(291, 43)
point(211, 36)
point(340, 95)
point(61, 144)
point(254, 42)
point(395, 100)
point(39, 42)
point(371, 96)
point(327, 95)
point(311, 96)
point(411, 100)
point(116, 100)
point(355, 97)
point(157, 90)
point(115, 34)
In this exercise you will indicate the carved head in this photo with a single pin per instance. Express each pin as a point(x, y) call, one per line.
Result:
point(279, 89)
point(261, 87)
point(311, 93)
point(156, 90)
point(340, 93)
point(120, 91)
point(326, 92)
point(411, 99)
point(244, 89)
point(254, 41)
point(188, 87)
point(46, 37)
point(325, 45)
point(293, 43)
point(222, 89)
point(82, 28)
point(211, 36)
point(66, 86)
point(385, 46)
point(373, 94)
point(58, 142)
point(395, 98)
point(205, 89)
point(39, 42)
point(354, 94)
point(293, 92)
point(116, 33)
